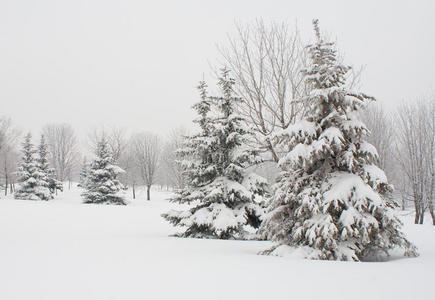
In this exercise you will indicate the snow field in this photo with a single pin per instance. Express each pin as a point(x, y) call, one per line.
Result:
point(63, 249)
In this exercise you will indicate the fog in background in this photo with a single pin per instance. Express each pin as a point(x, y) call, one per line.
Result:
point(136, 63)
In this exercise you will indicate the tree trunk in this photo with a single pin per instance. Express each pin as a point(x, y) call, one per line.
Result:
point(272, 151)
point(417, 211)
point(134, 192)
point(431, 210)
point(148, 192)
point(421, 219)
point(6, 183)
point(432, 215)
point(431, 194)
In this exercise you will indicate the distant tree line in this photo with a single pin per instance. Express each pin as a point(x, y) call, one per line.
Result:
point(147, 158)
point(267, 62)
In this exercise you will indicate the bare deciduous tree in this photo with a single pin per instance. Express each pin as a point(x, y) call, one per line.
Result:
point(381, 134)
point(170, 170)
point(267, 63)
point(63, 149)
point(116, 139)
point(127, 161)
point(146, 148)
point(383, 137)
point(8, 153)
point(117, 142)
point(416, 146)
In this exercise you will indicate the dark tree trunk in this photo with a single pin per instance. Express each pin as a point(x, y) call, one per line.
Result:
point(134, 192)
point(421, 220)
point(433, 216)
point(6, 183)
point(418, 208)
point(272, 151)
point(417, 213)
point(431, 210)
point(148, 192)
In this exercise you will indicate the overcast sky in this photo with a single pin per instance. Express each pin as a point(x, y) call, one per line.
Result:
point(135, 63)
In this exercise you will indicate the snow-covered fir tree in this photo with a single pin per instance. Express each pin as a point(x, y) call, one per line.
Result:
point(32, 181)
point(48, 175)
point(222, 194)
point(331, 200)
point(102, 185)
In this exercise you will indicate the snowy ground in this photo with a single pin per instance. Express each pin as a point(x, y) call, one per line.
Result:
point(63, 249)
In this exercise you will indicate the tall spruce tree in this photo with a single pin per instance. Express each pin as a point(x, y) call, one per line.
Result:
point(47, 173)
point(102, 185)
point(331, 200)
point(32, 181)
point(215, 163)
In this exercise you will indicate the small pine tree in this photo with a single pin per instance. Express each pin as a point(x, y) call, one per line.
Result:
point(102, 185)
point(32, 184)
point(331, 200)
point(215, 163)
point(49, 175)
point(44, 171)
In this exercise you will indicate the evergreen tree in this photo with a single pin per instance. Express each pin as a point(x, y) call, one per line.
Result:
point(102, 185)
point(215, 163)
point(32, 181)
point(331, 200)
point(48, 176)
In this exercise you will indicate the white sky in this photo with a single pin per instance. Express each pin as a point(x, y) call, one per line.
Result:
point(135, 63)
